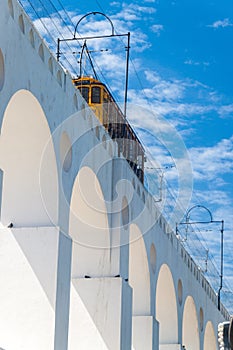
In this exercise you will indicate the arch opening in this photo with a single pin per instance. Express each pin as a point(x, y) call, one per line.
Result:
point(139, 276)
point(27, 157)
point(50, 65)
point(31, 38)
point(59, 77)
point(21, 24)
point(11, 8)
point(190, 329)
point(89, 230)
point(180, 291)
point(41, 52)
point(166, 307)
point(88, 226)
point(210, 341)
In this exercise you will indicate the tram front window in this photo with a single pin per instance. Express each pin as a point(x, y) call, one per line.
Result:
point(95, 94)
point(85, 93)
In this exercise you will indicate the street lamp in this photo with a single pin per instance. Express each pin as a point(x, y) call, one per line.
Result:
point(112, 34)
point(210, 221)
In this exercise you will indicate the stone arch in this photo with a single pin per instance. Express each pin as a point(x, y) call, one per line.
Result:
point(89, 230)
point(88, 227)
point(210, 341)
point(27, 157)
point(139, 277)
point(29, 252)
point(190, 330)
point(166, 307)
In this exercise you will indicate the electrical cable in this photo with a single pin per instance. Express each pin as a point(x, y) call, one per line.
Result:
point(51, 42)
point(67, 15)
point(196, 240)
point(58, 30)
point(61, 18)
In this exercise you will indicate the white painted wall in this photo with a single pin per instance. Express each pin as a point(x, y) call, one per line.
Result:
point(28, 269)
point(34, 268)
point(96, 316)
point(145, 333)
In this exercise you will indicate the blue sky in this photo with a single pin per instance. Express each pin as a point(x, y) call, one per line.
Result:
point(181, 73)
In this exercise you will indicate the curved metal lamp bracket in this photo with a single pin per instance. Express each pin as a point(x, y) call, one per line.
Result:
point(187, 216)
point(127, 47)
point(93, 13)
point(187, 222)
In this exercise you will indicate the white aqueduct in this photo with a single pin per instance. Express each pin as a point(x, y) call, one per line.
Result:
point(76, 270)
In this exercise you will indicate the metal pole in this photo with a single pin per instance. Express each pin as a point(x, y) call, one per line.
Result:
point(127, 74)
point(221, 269)
point(81, 59)
point(221, 243)
point(58, 49)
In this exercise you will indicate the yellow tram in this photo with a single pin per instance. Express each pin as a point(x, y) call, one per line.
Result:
point(111, 117)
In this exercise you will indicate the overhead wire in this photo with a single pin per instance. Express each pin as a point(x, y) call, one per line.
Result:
point(52, 43)
point(58, 30)
point(37, 15)
point(80, 36)
point(142, 89)
point(66, 13)
point(71, 21)
point(192, 241)
point(213, 272)
point(198, 239)
point(61, 18)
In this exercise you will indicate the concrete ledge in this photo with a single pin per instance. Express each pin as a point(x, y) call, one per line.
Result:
point(170, 347)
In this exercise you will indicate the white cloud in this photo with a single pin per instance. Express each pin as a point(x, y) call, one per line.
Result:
point(221, 24)
point(164, 97)
point(165, 89)
point(211, 162)
point(196, 63)
point(111, 61)
point(157, 28)
point(226, 110)
point(133, 12)
point(115, 3)
point(168, 97)
point(139, 41)
point(214, 197)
